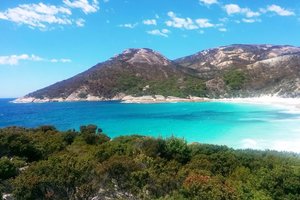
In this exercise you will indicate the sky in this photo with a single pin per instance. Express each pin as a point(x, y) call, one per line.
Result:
point(42, 42)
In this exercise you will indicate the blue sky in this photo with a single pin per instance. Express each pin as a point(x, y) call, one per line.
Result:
point(42, 42)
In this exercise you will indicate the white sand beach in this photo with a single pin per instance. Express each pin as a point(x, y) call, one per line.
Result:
point(290, 104)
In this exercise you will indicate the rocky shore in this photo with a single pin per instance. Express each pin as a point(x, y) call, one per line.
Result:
point(161, 99)
point(123, 99)
point(293, 104)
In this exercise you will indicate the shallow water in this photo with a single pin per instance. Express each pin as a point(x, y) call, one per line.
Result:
point(233, 124)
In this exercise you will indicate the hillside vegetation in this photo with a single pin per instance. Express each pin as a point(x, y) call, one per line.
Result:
point(44, 163)
point(228, 71)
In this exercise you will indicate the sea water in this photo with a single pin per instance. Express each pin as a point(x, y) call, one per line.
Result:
point(236, 125)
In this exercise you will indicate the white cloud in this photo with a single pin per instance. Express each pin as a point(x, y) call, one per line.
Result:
point(251, 16)
point(15, 59)
point(204, 23)
point(246, 20)
point(222, 29)
point(188, 23)
point(278, 10)
point(177, 22)
point(80, 22)
point(37, 15)
point(45, 16)
point(65, 60)
point(150, 22)
point(209, 2)
point(35, 58)
point(62, 60)
point(250, 13)
point(84, 5)
point(163, 32)
point(232, 9)
point(128, 25)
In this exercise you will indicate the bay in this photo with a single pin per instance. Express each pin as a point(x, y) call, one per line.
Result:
point(233, 124)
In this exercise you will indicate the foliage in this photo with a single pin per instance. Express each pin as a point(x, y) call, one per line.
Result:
point(234, 79)
point(179, 87)
point(177, 149)
point(92, 135)
point(173, 86)
point(198, 186)
point(87, 164)
point(129, 84)
point(60, 177)
point(7, 169)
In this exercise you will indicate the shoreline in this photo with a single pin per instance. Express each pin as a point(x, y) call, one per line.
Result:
point(123, 99)
point(280, 104)
point(149, 99)
point(161, 99)
point(290, 104)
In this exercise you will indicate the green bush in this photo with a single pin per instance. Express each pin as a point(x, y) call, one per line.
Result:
point(138, 167)
point(69, 137)
point(173, 86)
point(177, 149)
point(59, 177)
point(234, 79)
point(7, 169)
point(91, 134)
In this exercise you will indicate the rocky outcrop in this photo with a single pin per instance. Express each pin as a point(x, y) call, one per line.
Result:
point(161, 99)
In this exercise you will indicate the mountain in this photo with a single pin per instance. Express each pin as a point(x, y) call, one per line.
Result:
point(264, 70)
point(134, 72)
point(229, 71)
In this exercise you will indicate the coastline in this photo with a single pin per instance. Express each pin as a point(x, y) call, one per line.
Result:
point(161, 99)
point(122, 98)
point(291, 104)
point(280, 104)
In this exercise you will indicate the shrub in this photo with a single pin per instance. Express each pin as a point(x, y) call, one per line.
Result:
point(7, 169)
point(177, 149)
point(234, 79)
point(90, 136)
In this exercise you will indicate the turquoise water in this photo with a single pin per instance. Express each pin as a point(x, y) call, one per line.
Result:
point(232, 124)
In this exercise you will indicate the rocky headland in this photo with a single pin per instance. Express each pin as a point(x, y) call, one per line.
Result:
point(146, 76)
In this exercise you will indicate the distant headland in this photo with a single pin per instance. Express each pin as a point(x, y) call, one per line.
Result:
point(144, 75)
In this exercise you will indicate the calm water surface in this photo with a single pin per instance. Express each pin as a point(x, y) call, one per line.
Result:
point(232, 124)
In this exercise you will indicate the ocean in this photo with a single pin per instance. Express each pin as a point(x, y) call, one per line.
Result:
point(236, 125)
